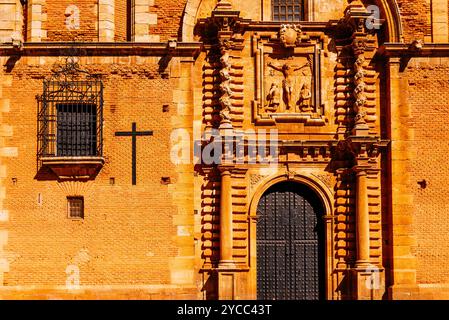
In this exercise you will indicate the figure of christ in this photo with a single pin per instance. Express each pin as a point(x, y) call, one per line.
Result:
point(288, 71)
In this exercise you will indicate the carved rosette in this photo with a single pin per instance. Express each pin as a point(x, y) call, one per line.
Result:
point(289, 35)
point(359, 46)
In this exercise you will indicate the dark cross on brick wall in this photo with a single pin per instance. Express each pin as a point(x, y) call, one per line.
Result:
point(134, 134)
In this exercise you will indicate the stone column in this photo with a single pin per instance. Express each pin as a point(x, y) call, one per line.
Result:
point(440, 14)
point(226, 266)
point(368, 280)
point(362, 220)
point(11, 22)
point(106, 24)
point(226, 258)
point(143, 18)
point(36, 17)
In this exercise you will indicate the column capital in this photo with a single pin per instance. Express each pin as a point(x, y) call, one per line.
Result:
point(361, 170)
point(225, 169)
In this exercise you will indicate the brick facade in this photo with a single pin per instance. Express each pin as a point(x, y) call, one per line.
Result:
point(429, 95)
point(373, 149)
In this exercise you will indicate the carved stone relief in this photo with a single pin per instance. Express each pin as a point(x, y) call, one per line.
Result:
point(290, 83)
point(288, 73)
point(255, 179)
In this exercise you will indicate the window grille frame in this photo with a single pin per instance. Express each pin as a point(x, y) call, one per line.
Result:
point(280, 9)
point(72, 200)
point(67, 92)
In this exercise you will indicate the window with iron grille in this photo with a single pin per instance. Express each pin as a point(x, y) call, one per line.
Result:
point(75, 207)
point(76, 129)
point(70, 119)
point(288, 10)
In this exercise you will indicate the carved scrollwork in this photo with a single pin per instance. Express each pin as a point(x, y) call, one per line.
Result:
point(255, 179)
point(291, 35)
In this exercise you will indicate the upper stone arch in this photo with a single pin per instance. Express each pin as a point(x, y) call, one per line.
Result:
point(389, 11)
point(391, 14)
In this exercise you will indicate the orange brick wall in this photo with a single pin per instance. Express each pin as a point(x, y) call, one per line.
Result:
point(128, 230)
point(414, 14)
point(429, 98)
point(415, 19)
point(55, 24)
point(169, 18)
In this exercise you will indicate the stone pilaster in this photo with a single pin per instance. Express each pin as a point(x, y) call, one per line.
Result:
point(440, 16)
point(403, 258)
point(106, 25)
point(5, 152)
point(182, 267)
point(11, 21)
point(36, 20)
point(143, 18)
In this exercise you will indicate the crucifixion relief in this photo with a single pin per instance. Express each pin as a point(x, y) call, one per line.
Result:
point(289, 87)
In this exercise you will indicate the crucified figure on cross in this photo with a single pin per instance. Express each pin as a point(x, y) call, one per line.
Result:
point(287, 84)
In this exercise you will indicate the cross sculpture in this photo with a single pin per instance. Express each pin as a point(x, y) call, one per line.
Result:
point(134, 134)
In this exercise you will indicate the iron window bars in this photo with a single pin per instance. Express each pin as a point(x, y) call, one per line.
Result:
point(70, 115)
point(288, 10)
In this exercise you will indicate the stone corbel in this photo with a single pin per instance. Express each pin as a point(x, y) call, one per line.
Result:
point(366, 150)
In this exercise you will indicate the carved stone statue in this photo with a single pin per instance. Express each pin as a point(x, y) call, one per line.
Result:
point(274, 98)
point(287, 84)
point(305, 97)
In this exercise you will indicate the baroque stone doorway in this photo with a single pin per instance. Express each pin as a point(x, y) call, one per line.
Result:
point(290, 244)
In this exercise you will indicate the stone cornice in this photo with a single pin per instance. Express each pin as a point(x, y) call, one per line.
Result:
point(413, 50)
point(180, 49)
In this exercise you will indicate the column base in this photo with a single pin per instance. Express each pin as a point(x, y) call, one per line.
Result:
point(361, 130)
point(226, 285)
point(368, 283)
point(226, 265)
point(363, 264)
point(225, 126)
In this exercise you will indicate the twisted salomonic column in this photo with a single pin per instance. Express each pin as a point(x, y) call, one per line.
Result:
point(359, 46)
point(225, 85)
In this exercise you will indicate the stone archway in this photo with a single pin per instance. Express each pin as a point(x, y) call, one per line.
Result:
point(323, 199)
point(290, 244)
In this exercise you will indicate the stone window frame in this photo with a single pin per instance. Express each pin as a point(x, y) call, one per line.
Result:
point(267, 10)
point(75, 207)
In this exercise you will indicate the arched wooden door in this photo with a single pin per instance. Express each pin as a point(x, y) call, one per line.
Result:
point(290, 244)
